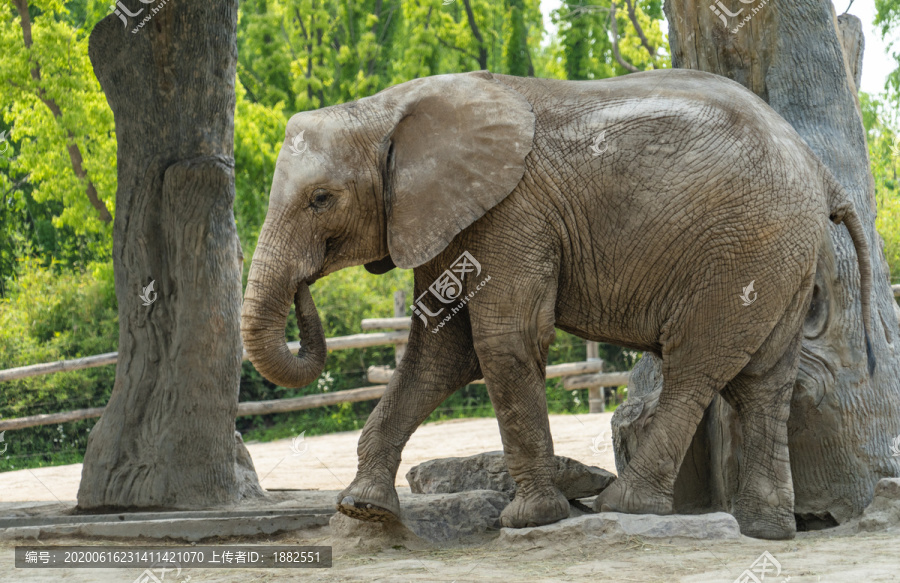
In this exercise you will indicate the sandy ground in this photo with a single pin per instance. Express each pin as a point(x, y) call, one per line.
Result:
point(329, 463)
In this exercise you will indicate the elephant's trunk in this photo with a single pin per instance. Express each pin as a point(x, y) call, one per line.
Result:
point(263, 318)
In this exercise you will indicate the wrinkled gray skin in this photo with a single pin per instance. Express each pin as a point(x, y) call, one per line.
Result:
point(701, 189)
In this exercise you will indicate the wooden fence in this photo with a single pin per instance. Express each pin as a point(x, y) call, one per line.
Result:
point(577, 375)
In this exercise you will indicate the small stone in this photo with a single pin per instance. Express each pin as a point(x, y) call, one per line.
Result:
point(884, 511)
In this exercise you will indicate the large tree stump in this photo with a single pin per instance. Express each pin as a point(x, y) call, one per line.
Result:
point(167, 437)
point(842, 420)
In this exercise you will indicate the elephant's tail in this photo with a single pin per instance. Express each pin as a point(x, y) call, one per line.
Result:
point(842, 211)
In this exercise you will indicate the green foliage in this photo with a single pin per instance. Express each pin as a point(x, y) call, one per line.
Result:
point(888, 18)
point(43, 136)
point(258, 133)
point(518, 57)
point(585, 46)
point(880, 121)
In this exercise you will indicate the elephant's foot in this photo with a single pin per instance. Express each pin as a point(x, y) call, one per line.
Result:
point(370, 500)
point(621, 497)
point(758, 518)
point(535, 507)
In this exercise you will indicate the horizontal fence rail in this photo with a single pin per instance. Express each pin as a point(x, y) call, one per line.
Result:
point(401, 323)
point(244, 409)
point(601, 379)
point(383, 374)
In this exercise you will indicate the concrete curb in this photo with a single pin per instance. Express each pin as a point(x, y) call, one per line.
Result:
point(190, 529)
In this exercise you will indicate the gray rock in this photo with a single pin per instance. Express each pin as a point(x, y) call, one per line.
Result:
point(614, 526)
point(487, 471)
point(576, 480)
point(433, 518)
point(884, 511)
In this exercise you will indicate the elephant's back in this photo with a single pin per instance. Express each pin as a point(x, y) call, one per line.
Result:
point(670, 143)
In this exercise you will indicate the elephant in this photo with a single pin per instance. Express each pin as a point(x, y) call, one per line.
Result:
point(667, 211)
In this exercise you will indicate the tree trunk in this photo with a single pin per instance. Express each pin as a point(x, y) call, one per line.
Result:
point(842, 420)
point(167, 438)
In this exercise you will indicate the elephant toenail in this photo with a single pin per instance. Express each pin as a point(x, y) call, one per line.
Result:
point(347, 501)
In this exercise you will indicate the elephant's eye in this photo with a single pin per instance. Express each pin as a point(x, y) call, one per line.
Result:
point(320, 199)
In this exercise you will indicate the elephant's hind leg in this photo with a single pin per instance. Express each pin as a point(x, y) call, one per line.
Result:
point(434, 367)
point(761, 395)
point(764, 504)
point(697, 363)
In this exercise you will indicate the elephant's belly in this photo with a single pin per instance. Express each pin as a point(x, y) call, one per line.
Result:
point(635, 326)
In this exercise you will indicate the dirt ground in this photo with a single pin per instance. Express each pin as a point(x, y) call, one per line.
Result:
point(810, 558)
point(328, 462)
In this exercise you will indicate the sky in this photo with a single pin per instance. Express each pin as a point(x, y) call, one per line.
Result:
point(877, 64)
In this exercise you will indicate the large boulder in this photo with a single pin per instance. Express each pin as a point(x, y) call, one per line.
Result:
point(614, 526)
point(487, 471)
point(884, 511)
point(436, 519)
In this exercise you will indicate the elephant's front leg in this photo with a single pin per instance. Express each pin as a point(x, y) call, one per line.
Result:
point(512, 348)
point(434, 367)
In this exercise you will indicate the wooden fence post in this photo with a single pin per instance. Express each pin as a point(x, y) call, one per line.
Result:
point(399, 312)
point(595, 394)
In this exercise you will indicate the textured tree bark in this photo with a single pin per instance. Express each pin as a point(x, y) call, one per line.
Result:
point(167, 438)
point(842, 420)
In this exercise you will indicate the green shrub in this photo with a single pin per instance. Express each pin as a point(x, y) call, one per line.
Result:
point(51, 315)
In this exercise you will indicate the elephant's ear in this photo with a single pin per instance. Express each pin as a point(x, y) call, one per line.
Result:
point(458, 149)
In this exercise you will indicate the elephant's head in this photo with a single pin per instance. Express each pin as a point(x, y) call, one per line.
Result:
point(388, 180)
